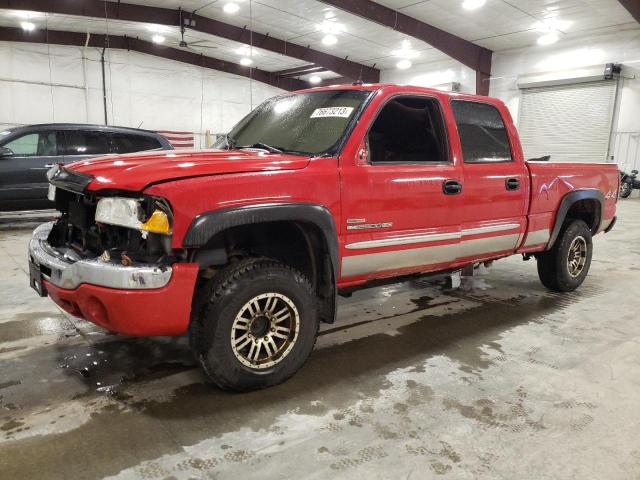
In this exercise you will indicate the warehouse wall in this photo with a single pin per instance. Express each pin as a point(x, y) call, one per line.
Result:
point(569, 59)
point(566, 59)
point(434, 74)
point(142, 91)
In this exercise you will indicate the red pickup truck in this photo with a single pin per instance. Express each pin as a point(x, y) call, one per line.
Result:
point(313, 194)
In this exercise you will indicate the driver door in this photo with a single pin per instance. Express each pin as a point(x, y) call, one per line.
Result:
point(401, 195)
point(24, 166)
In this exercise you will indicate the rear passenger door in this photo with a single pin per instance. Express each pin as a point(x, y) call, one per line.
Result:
point(496, 184)
point(80, 144)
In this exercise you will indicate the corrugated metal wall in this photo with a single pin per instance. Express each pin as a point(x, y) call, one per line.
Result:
point(626, 150)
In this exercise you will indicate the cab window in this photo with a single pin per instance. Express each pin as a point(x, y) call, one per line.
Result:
point(42, 144)
point(408, 130)
point(482, 132)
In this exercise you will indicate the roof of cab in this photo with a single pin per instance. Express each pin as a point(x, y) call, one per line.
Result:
point(409, 89)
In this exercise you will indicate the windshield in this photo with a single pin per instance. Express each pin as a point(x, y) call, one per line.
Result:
point(309, 123)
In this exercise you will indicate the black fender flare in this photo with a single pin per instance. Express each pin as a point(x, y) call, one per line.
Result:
point(565, 204)
point(208, 224)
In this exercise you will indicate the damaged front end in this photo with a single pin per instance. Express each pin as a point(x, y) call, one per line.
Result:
point(113, 226)
point(108, 259)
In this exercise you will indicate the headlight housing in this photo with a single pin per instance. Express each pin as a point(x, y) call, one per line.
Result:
point(129, 213)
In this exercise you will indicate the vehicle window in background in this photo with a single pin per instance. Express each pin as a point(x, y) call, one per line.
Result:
point(308, 123)
point(79, 142)
point(127, 143)
point(41, 144)
point(482, 132)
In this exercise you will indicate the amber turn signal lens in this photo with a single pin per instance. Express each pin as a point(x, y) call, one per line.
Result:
point(158, 222)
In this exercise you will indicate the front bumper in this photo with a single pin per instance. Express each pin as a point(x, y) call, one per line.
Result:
point(62, 270)
point(137, 300)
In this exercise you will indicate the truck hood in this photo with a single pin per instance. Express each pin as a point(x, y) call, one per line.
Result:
point(138, 170)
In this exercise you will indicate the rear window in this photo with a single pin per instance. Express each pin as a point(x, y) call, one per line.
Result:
point(79, 142)
point(127, 143)
point(482, 132)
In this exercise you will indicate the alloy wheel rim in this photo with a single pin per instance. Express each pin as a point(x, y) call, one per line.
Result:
point(265, 330)
point(577, 256)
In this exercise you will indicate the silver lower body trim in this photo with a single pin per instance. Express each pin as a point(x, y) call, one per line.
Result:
point(424, 256)
point(65, 273)
point(537, 237)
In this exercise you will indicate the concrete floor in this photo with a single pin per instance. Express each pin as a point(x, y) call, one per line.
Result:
point(496, 379)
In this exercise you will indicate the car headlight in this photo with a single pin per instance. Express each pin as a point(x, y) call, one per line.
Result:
point(128, 212)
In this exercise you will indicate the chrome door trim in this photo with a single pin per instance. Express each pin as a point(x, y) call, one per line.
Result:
point(490, 228)
point(431, 237)
point(407, 240)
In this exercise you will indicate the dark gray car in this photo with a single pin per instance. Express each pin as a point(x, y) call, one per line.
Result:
point(26, 153)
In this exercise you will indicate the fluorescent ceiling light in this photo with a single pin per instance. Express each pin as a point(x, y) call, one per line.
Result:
point(552, 24)
point(246, 61)
point(329, 39)
point(473, 4)
point(153, 28)
point(25, 15)
point(331, 26)
point(246, 51)
point(231, 7)
point(157, 39)
point(315, 79)
point(404, 64)
point(548, 38)
point(27, 26)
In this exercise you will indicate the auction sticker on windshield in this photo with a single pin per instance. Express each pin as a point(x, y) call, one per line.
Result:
point(342, 112)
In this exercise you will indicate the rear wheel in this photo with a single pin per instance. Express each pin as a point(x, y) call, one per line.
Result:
point(564, 267)
point(625, 189)
point(257, 326)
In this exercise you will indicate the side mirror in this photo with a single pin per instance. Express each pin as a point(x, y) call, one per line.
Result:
point(5, 152)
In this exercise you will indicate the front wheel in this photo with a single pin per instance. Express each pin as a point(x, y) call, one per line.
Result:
point(564, 267)
point(625, 189)
point(256, 327)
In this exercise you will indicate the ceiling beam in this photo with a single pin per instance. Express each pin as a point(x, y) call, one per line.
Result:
point(171, 17)
point(9, 34)
point(468, 53)
point(303, 70)
point(633, 6)
point(333, 81)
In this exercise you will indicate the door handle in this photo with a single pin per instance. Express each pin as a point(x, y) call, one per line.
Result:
point(49, 165)
point(512, 183)
point(451, 187)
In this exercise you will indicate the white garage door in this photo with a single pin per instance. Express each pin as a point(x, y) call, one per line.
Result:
point(572, 123)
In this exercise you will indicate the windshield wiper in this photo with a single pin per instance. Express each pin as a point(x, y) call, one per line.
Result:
point(263, 146)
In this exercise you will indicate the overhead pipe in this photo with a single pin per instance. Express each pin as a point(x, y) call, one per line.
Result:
point(104, 86)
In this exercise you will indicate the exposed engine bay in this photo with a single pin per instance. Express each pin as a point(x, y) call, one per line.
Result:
point(78, 230)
